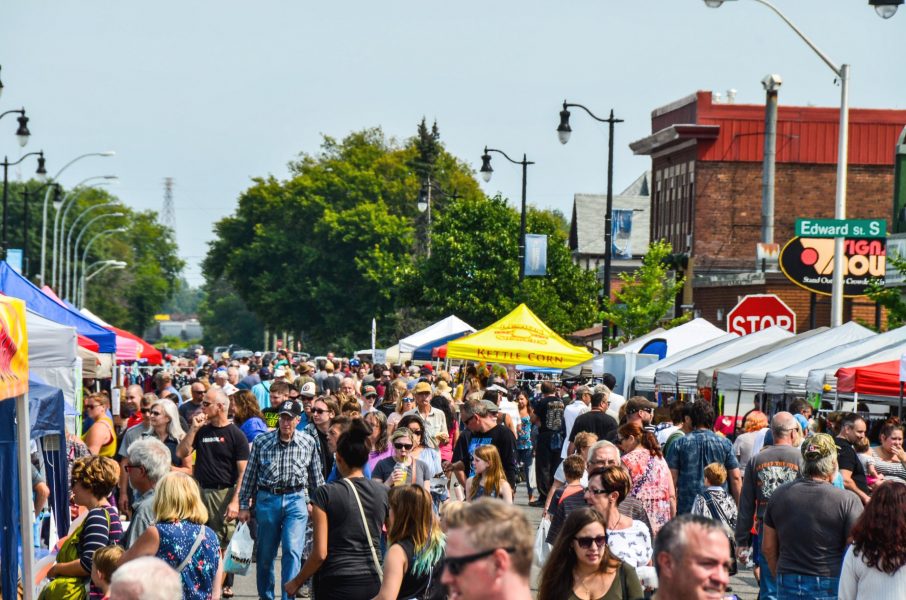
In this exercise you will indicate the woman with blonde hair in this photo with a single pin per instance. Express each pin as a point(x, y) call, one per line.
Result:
point(404, 403)
point(489, 479)
point(181, 539)
point(101, 436)
point(413, 560)
point(164, 420)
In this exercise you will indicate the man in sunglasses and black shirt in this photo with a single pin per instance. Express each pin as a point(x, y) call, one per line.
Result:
point(481, 428)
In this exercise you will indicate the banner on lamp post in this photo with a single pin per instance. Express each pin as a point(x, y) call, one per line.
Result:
point(535, 255)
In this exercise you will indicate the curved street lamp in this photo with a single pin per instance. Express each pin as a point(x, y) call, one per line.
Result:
point(80, 292)
point(56, 205)
point(424, 203)
point(103, 266)
point(563, 133)
point(22, 132)
point(41, 173)
point(486, 171)
point(886, 9)
point(66, 250)
point(52, 187)
point(59, 222)
point(74, 262)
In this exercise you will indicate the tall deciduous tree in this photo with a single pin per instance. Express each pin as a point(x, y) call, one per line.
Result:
point(646, 296)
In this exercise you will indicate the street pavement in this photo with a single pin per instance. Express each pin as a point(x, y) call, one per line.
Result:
point(743, 584)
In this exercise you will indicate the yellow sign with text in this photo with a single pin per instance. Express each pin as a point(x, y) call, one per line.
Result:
point(13, 348)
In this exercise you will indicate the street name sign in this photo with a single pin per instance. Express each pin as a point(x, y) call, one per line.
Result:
point(832, 228)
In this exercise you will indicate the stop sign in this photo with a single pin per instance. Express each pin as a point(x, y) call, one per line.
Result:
point(760, 311)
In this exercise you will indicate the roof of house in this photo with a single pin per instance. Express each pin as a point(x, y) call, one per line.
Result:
point(586, 232)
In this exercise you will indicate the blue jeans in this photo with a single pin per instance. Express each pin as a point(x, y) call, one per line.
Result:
point(525, 459)
point(767, 584)
point(281, 522)
point(791, 586)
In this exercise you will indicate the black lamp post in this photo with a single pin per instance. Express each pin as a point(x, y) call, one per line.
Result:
point(486, 172)
point(41, 172)
point(563, 132)
point(26, 198)
point(424, 204)
point(22, 131)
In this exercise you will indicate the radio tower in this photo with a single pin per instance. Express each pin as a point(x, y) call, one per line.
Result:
point(167, 214)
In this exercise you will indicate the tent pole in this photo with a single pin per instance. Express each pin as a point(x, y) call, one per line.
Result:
point(26, 508)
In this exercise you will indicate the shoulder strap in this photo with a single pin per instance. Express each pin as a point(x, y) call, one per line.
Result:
point(623, 586)
point(195, 545)
point(374, 557)
point(716, 513)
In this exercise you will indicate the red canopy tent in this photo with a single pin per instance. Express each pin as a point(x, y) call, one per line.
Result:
point(144, 349)
point(879, 379)
point(89, 344)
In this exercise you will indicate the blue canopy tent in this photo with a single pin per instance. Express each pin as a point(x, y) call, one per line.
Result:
point(13, 284)
point(423, 352)
point(46, 418)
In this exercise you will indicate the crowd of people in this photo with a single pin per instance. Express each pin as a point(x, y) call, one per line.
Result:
point(399, 482)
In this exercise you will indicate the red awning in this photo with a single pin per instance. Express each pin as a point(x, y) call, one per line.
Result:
point(143, 349)
point(89, 344)
point(879, 379)
point(439, 352)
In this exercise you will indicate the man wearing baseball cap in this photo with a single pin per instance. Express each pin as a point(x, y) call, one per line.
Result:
point(640, 410)
point(280, 494)
point(434, 418)
point(369, 396)
point(807, 524)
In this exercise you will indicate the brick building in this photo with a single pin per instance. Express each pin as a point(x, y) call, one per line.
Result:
point(707, 184)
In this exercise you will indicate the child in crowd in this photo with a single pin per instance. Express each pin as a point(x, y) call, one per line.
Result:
point(567, 498)
point(448, 509)
point(489, 479)
point(103, 565)
point(863, 451)
point(715, 503)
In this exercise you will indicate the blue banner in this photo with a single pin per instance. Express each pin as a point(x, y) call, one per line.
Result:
point(621, 229)
point(535, 255)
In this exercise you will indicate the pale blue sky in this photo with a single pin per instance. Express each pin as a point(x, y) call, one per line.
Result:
point(214, 93)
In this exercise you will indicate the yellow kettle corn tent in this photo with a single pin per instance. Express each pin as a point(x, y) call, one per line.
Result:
point(520, 338)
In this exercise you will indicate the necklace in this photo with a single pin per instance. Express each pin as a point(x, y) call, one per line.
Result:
point(582, 583)
point(617, 522)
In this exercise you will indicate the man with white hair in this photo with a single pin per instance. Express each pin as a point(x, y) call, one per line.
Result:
point(148, 461)
point(146, 578)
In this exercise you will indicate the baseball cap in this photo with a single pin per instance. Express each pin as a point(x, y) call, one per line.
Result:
point(368, 391)
point(819, 446)
point(290, 407)
point(490, 406)
point(637, 403)
point(308, 389)
point(421, 387)
point(426, 369)
point(496, 388)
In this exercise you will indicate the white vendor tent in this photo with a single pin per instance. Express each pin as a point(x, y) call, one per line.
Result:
point(705, 376)
point(894, 346)
point(750, 376)
point(793, 379)
point(645, 377)
point(442, 329)
point(53, 355)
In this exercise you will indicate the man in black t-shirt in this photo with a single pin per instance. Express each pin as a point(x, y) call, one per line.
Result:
point(549, 417)
point(595, 421)
point(481, 429)
point(852, 429)
point(221, 453)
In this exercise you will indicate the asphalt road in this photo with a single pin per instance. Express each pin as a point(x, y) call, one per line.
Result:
point(743, 584)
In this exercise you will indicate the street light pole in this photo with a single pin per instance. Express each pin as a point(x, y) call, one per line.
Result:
point(486, 172)
point(65, 250)
point(41, 172)
point(104, 265)
point(425, 202)
point(44, 210)
point(563, 133)
point(885, 9)
point(51, 186)
point(74, 267)
point(80, 291)
point(59, 222)
point(22, 132)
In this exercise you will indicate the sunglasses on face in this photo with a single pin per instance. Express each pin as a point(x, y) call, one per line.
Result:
point(134, 468)
point(597, 491)
point(456, 564)
point(156, 413)
point(319, 411)
point(416, 432)
point(145, 411)
point(408, 400)
point(585, 542)
point(400, 446)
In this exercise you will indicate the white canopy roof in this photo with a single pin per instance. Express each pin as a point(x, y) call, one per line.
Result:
point(645, 377)
point(443, 328)
point(883, 347)
point(793, 379)
point(53, 352)
point(750, 375)
point(698, 371)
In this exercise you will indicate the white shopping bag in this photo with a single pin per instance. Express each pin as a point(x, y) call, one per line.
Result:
point(238, 555)
point(542, 548)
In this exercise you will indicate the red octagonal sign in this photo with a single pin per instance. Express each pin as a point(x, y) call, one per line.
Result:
point(760, 311)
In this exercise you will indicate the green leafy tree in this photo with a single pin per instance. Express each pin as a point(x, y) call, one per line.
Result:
point(226, 319)
point(890, 298)
point(646, 296)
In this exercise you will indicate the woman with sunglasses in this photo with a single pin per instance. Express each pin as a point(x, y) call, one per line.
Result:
point(582, 567)
point(100, 437)
point(164, 420)
point(404, 404)
point(628, 539)
point(400, 468)
point(420, 450)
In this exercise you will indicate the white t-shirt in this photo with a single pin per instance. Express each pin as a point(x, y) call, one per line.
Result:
point(560, 476)
point(616, 402)
point(570, 414)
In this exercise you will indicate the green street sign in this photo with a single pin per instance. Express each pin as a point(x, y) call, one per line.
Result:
point(847, 228)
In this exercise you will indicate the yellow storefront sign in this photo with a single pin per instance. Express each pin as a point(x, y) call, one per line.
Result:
point(13, 348)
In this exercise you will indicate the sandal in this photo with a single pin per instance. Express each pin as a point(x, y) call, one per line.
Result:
point(227, 592)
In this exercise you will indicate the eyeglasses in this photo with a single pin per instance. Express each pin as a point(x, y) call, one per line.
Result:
point(408, 400)
point(156, 413)
point(205, 404)
point(585, 542)
point(456, 564)
point(402, 446)
point(319, 411)
point(597, 491)
point(134, 467)
point(145, 411)
point(415, 431)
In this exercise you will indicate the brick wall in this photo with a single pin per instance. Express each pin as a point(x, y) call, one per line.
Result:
point(728, 205)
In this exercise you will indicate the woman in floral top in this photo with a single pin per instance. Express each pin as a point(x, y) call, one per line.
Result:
point(652, 483)
point(524, 439)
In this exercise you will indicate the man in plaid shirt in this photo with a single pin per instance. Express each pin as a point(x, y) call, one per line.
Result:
point(283, 469)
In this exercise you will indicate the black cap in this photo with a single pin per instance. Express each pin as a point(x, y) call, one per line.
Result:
point(290, 407)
